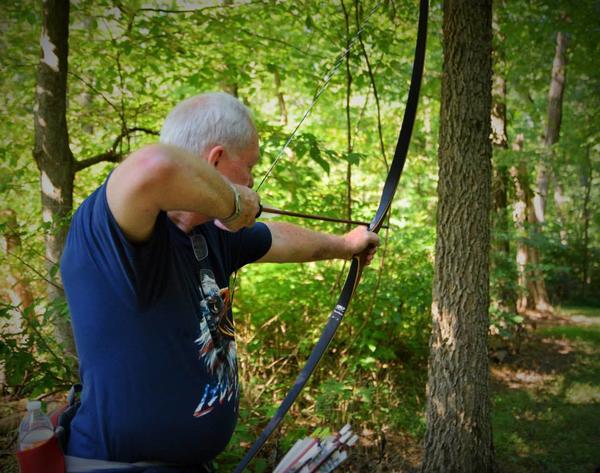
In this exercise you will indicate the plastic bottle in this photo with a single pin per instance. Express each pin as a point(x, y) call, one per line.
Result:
point(36, 428)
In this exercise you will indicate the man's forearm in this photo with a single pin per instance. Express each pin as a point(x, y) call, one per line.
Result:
point(161, 177)
point(191, 184)
point(294, 244)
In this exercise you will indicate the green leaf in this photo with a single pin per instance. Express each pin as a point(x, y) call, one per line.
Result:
point(353, 158)
point(315, 154)
point(308, 22)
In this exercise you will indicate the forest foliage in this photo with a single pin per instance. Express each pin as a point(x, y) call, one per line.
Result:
point(131, 62)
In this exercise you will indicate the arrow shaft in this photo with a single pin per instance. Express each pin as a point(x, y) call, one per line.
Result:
point(312, 216)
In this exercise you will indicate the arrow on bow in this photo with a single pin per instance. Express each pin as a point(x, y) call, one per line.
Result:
point(264, 211)
point(354, 274)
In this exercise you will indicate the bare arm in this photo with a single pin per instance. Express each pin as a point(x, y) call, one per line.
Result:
point(293, 244)
point(161, 177)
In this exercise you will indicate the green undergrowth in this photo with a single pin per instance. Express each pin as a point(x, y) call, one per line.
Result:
point(389, 397)
point(374, 372)
point(547, 406)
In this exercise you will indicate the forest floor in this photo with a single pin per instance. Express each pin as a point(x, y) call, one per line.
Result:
point(545, 398)
point(546, 406)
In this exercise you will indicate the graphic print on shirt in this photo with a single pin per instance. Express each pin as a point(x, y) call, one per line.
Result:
point(216, 344)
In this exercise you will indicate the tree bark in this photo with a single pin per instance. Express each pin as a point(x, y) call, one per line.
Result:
point(51, 150)
point(459, 433)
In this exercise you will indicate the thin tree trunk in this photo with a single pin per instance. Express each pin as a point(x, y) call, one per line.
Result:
point(538, 295)
point(51, 150)
point(427, 126)
point(587, 177)
point(555, 101)
point(532, 287)
point(522, 199)
point(459, 432)
point(552, 132)
point(15, 287)
point(229, 82)
point(348, 119)
point(500, 183)
point(283, 115)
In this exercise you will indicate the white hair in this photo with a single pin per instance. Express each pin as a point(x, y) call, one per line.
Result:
point(207, 120)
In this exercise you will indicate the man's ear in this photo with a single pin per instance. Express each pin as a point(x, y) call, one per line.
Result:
point(214, 155)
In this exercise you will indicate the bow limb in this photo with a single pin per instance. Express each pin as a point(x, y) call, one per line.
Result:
point(317, 353)
point(410, 112)
point(356, 268)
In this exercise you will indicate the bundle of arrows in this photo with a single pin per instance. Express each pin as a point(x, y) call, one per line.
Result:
point(318, 455)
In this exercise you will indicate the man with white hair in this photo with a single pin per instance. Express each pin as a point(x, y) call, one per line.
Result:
point(146, 269)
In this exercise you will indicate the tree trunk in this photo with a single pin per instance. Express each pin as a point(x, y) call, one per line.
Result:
point(552, 132)
point(459, 433)
point(521, 210)
point(501, 261)
point(15, 287)
point(532, 294)
point(51, 150)
point(587, 177)
point(555, 100)
point(538, 299)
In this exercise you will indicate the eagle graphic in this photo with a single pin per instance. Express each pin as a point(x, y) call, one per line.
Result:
point(216, 345)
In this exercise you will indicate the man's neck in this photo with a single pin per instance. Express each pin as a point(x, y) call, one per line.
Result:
point(186, 221)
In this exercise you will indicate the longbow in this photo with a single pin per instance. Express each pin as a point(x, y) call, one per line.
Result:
point(356, 268)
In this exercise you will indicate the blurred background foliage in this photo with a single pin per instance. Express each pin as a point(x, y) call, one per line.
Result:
point(130, 62)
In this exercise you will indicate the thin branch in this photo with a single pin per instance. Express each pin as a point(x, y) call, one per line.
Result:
point(111, 105)
point(374, 87)
point(42, 339)
point(111, 156)
point(282, 42)
point(128, 132)
point(361, 116)
point(26, 264)
point(196, 10)
point(108, 157)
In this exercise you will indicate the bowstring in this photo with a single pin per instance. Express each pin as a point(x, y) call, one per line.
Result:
point(324, 84)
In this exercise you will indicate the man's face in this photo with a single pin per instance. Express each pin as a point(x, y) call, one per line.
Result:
point(237, 167)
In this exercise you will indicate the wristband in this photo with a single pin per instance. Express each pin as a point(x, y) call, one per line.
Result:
point(237, 207)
